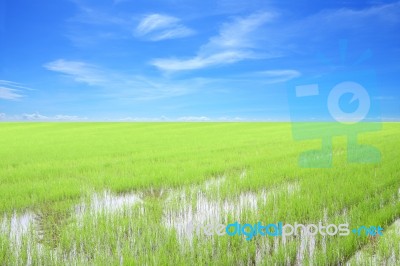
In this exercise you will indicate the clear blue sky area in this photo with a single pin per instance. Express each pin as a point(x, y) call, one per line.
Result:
point(190, 60)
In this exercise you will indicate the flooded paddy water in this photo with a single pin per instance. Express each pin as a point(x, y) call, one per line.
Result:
point(121, 221)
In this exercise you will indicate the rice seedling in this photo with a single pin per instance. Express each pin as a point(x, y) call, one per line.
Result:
point(143, 194)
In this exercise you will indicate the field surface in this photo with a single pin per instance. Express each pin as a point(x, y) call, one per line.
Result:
point(124, 193)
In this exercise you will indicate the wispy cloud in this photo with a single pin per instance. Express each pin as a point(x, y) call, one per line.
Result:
point(93, 24)
point(79, 71)
point(302, 35)
point(9, 94)
point(145, 119)
point(194, 119)
point(93, 15)
point(279, 75)
point(39, 117)
point(238, 40)
point(388, 12)
point(34, 116)
point(235, 42)
point(262, 77)
point(155, 22)
point(230, 119)
point(68, 118)
point(115, 84)
point(10, 90)
point(200, 61)
point(180, 119)
point(385, 98)
point(157, 27)
point(239, 33)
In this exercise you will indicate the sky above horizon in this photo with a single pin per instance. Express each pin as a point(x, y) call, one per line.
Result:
point(187, 60)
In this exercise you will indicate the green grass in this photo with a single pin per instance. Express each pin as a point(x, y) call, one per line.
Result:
point(49, 168)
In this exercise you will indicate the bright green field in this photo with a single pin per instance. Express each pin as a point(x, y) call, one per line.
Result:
point(48, 169)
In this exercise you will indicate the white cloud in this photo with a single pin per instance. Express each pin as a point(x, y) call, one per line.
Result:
point(241, 33)
point(385, 98)
point(389, 12)
point(194, 119)
point(94, 16)
point(93, 24)
point(155, 22)
point(280, 75)
point(230, 119)
point(39, 117)
point(10, 90)
point(226, 57)
point(157, 27)
point(239, 39)
point(144, 119)
point(173, 33)
point(266, 77)
point(9, 94)
point(34, 116)
point(14, 85)
point(80, 71)
point(235, 42)
point(116, 84)
point(302, 35)
point(68, 118)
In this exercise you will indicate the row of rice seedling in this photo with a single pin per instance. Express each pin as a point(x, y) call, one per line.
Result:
point(125, 193)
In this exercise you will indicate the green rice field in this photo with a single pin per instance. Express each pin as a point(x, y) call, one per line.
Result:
point(123, 194)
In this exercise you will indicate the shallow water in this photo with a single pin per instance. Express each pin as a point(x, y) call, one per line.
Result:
point(108, 202)
point(181, 214)
point(17, 226)
point(182, 208)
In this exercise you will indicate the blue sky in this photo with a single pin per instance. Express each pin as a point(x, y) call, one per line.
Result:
point(187, 60)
